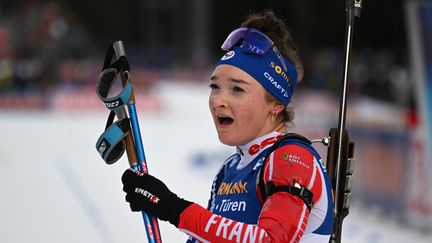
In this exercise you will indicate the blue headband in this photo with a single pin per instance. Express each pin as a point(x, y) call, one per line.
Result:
point(266, 69)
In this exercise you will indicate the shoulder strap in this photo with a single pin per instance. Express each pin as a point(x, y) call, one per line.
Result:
point(268, 189)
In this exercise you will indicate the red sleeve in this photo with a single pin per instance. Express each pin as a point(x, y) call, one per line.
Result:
point(283, 217)
point(285, 166)
point(206, 226)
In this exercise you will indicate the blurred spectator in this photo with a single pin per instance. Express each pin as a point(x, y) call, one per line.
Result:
point(44, 44)
point(377, 73)
point(6, 55)
point(35, 38)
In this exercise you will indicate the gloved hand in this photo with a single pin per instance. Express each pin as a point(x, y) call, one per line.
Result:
point(147, 193)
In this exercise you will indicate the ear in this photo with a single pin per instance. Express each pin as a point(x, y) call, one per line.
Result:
point(277, 108)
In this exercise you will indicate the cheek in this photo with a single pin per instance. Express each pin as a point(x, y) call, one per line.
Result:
point(253, 110)
point(210, 104)
point(214, 100)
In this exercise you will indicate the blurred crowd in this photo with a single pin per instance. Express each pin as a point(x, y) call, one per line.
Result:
point(376, 73)
point(43, 45)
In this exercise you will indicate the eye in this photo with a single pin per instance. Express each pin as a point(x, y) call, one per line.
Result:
point(237, 89)
point(213, 86)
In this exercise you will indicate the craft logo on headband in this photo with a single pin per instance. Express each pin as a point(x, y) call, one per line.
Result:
point(276, 85)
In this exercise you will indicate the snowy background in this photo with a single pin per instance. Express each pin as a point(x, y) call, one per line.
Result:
point(56, 188)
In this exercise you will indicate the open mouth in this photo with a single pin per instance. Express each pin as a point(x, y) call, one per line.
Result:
point(225, 120)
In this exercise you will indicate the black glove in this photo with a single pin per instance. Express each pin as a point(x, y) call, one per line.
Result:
point(147, 193)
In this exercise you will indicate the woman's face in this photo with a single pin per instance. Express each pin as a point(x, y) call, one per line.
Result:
point(238, 106)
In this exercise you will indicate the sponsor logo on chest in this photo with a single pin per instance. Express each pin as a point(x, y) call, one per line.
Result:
point(232, 188)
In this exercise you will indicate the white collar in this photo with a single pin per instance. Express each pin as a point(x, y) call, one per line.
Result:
point(251, 150)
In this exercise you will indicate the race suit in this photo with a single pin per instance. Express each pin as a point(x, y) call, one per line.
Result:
point(236, 211)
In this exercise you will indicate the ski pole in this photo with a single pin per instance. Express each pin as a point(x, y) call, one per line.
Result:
point(118, 136)
point(341, 150)
point(151, 223)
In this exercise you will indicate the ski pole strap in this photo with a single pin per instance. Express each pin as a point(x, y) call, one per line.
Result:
point(104, 85)
point(111, 144)
point(108, 76)
point(297, 190)
point(121, 58)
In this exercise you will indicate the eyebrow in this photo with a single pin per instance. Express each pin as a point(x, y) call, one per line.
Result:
point(234, 80)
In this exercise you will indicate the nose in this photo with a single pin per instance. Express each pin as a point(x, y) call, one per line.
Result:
point(218, 99)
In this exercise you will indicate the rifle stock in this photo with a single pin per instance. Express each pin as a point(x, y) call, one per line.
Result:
point(345, 173)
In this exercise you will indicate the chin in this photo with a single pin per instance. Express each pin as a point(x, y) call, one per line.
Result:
point(232, 140)
point(227, 140)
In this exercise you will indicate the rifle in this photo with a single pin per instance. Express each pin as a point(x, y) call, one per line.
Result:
point(340, 155)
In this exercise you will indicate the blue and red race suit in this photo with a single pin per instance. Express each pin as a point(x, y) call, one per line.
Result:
point(236, 211)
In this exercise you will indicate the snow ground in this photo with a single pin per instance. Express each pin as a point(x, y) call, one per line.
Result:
point(56, 188)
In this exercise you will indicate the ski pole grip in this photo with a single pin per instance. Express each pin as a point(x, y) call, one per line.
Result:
point(119, 51)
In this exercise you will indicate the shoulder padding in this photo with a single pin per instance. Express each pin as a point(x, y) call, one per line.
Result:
point(286, 138)
point(269, 188)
